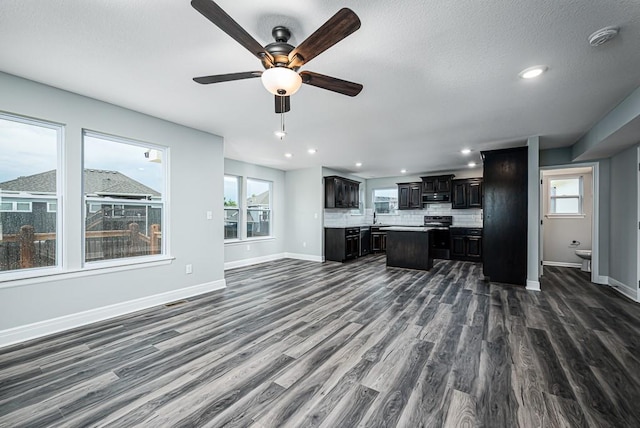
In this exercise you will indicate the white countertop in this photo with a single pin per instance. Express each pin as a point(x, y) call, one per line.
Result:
point(407, 228)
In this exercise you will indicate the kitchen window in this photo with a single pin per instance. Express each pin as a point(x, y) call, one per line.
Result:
point(29, 184)
point(385, 201)
point(565, 196)
point(124, 193)
point(231, 206)
point(258, 208)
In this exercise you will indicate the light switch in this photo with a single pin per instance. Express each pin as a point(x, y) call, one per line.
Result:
point(209, 215)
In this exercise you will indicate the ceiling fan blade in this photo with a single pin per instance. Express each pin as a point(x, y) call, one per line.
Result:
point(205, 80)
point(220, 18)
point(331, 83)
point(331, 32)
point(283, 104)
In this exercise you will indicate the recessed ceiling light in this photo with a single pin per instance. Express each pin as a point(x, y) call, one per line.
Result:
point(280, 134)
point(471, 164)
point(465, 151)
point(358, 164)
point(532, 72)
point(312, 151)
point(403, 171)
point(288, 155)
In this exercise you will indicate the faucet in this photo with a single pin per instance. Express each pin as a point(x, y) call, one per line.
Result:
point(374, 217)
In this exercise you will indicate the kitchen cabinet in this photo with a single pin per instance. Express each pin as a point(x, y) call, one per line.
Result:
point(340, 192)
point(437, 184)
point(378, 240)
point(504, 244)
point(466, 244)
point(466, 193)
point(409, 196)
point(341, 244)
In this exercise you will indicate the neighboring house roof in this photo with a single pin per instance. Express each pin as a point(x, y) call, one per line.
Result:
point(257, 200)
point(96, 182)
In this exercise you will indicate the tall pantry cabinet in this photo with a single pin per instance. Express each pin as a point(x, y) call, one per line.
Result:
point(504, 243)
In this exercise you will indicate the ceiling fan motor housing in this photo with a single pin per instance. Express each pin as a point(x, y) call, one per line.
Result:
point(280, 48)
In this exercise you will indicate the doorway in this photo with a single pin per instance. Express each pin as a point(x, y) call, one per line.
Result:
point(569, 214)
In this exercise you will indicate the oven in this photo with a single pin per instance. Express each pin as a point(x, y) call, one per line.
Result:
point(439, 236)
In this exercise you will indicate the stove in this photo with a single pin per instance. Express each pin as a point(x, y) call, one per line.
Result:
point(440, 238)
point(439, 221)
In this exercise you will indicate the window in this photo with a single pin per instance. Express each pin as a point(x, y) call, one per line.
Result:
point(123, 187)
point(385, 201)
point(29, 177)
point(231, 207)
point(258, 208)
point(565, 196)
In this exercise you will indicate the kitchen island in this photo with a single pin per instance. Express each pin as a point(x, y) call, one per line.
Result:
point(408, 247)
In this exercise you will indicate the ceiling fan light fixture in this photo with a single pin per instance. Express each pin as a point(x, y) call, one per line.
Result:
point(281, 81)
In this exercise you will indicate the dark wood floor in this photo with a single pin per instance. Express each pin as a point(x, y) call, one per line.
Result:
point(294, 343)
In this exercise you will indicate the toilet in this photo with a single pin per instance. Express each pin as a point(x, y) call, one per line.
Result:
point(585, 255)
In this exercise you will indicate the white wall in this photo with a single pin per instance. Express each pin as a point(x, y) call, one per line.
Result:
point(256, 250)
point(304, 206)
point(196, 177)
point(623, 251)
point(560, 232)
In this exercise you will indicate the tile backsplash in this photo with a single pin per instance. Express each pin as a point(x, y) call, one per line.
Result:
point(344, 218)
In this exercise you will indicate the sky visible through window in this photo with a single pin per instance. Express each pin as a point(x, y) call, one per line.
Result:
point(22, 146)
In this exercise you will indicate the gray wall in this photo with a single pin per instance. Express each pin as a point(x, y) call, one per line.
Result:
point(304, 206)
point(623, 254)
point(560, 232)
point(196, 177)
point(260, 247)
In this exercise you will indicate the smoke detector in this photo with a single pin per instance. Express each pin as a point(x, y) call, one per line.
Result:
point(603, 35)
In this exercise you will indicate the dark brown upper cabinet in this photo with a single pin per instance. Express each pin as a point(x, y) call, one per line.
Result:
point(437, 184)
point(409, 196)
point(466, 193)
point(340, 192)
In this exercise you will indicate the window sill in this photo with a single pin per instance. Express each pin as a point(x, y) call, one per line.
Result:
point(232, 242)
point(38, 275)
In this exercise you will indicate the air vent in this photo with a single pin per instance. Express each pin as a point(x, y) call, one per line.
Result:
point(176, 303)
point(603, 35)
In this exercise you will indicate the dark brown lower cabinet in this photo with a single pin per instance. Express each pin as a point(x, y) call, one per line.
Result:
point(466, 244)
point(341, 244)
point(378, 240)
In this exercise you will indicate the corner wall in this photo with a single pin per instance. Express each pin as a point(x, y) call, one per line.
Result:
point(623, 252)
point(29, 308)
point(304, 206)
point(250, 251)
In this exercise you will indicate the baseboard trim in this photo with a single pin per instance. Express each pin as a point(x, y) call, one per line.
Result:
point(43, 328)
point(562, 264)
point(601, 279)
point(253, 261)
point(270, 258)
point(624, 289)
point(307, 257)
point(533, 285)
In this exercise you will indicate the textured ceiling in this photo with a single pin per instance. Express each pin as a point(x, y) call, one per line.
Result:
point(438, 75)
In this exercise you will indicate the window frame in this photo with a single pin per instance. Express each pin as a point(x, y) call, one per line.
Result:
point(580, 196)
point(246, 209)
point(393, 211)
point(164, 202)
point(60, 247)
point(238, 208)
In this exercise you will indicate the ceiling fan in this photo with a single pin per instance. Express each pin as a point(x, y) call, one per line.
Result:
point(281, 60)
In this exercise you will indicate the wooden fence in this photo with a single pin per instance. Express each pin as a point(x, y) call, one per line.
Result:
point(28, 249)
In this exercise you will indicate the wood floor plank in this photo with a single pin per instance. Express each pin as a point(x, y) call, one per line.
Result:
point(297, 343)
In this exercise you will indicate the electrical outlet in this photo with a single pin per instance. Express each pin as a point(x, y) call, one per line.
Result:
point(188, 269)
point(304, 244)
point(248, 247)
point(209, 215)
